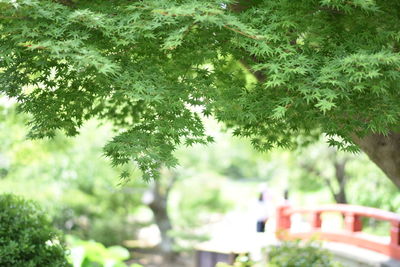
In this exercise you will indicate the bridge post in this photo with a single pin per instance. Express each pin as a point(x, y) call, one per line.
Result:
point(316, 221)
point(395, 233)
point(395, 239)
point(352, 222)
point(283, 222)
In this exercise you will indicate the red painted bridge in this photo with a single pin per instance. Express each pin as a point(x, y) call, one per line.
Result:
point(351, 233)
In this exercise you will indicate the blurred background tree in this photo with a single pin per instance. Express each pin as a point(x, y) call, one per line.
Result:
point(344, 177)
point(71, 178)
point(87, 198)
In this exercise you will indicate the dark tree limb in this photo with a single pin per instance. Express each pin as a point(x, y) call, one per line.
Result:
point(341, 178)
point(311, 169)
point(159, 207)
point(384, 151)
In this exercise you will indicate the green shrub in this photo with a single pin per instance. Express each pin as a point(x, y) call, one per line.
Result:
point(240, 261)
point(104, 216)
point(109, 228)
point(300, 254)
point(290, 254)
point(93, 254)
point(27, 238)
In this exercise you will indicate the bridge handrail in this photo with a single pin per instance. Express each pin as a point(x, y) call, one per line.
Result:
point(354, 209)
point(351, 234)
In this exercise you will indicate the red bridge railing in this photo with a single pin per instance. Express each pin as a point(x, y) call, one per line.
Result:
point(351, 232)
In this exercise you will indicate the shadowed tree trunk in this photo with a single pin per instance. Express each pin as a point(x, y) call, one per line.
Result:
point(341, 178)
point(384, 151)
point(159, 207)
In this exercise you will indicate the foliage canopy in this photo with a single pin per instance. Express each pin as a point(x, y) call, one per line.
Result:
point(154, 67)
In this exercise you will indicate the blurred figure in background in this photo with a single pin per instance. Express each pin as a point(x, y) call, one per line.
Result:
point(262, 210)
point(286, 196)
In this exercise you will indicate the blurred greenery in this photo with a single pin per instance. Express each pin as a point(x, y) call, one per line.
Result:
point(87, 198)
point(85, 195)
point(91, 254)
point(240, 261)
point(71, 179)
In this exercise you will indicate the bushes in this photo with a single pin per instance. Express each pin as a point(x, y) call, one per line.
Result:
point(291, 254)
point(297, 254)
point(27, 238)
point(113, 230)
point(93, 219)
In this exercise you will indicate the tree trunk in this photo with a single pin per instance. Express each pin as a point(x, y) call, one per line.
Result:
point(164, 225)
point(384, 151)
point(341, 178)
point(159, 207)
point(341, 197)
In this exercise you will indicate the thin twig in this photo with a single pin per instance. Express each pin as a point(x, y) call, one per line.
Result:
point(242, 33)
point(38, 47)
point(11, 17)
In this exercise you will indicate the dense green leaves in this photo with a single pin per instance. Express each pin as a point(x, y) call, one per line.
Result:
point(154, 67)
point(27, 237)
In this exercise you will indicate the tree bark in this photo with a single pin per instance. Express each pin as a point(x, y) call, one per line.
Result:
point(384, 151)
point(341, 178)
point(159, 207)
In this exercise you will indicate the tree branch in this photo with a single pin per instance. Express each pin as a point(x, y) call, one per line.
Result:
point(316, 172)
point(38, 47)
point(12, 17)
point(243, 33)
point(171, 183)
point(383, 150)
point(260, 76)
point(341, 178)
